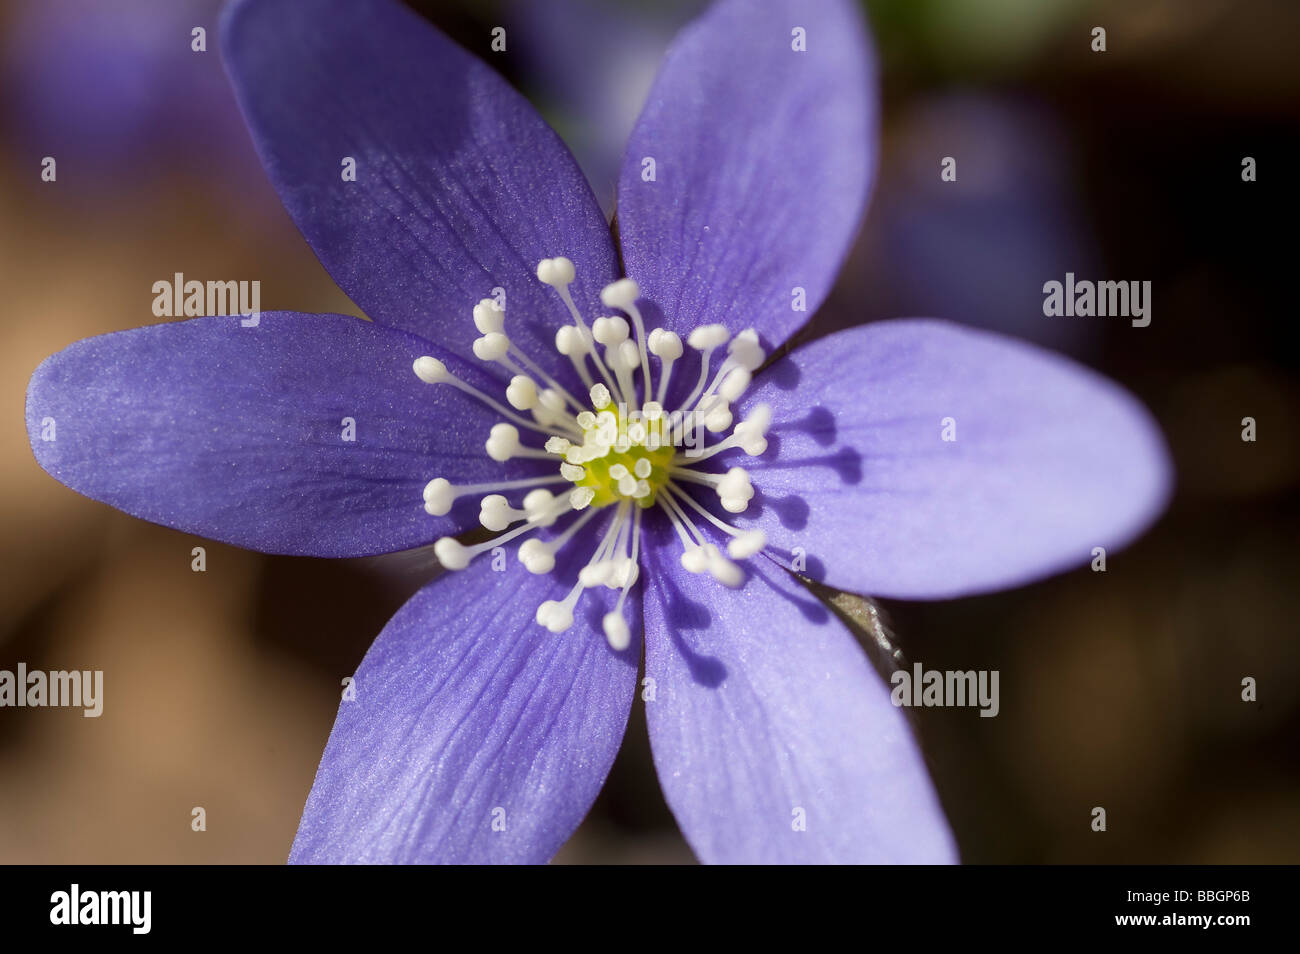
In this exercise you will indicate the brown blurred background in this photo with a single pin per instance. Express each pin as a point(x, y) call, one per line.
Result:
point(1121, 690)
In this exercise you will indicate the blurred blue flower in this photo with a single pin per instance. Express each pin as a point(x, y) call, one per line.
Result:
point(978, 249)
point(591, 64)
point(114, 91)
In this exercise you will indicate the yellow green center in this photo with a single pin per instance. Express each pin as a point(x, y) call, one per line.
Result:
point(621, 442)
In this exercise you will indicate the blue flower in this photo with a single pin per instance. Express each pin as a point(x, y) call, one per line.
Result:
point(910, 458)
point(110, 89)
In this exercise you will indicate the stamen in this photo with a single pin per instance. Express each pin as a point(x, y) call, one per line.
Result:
point(522, 393)
point(454, 555)
point(495, 512)
point(616, 629)
point(623, 294)
point(616, 357)
point(744, 543)
point(730, 382)
point(558, 616)
point(734, 489)
point(493, 346)
point(554, 385)
point(687, 542)
point(538, 556)
point(745, 350)
point(559, 274)
point(718, 419)
point(432, 371)
point(440, 493)
point(705, 556)
point(750, 435)
point(667, 346)
point(489, 316)
point(704, 339)
point(503, 444)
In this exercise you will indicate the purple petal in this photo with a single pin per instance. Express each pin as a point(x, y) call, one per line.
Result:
point(460, 186)
point(763, 157)
point(467, 712)
point(1049, 461)
point(237, 433)
point(767, 715)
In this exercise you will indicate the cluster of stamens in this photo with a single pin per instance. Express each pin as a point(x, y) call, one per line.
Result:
point(619, 450)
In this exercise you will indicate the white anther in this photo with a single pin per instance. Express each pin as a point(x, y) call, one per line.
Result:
point(626, 484)
point(747, 544)
point(495, 513)
point(522, 393)
point(430, 370)
point(539, 506)
point(623, 573)
point(536, 556)
point(751, 433)
point(617, 472)
point(734, 490)
point(491, 347)
point(558, 445)
point(722, 569)
point(665, 345)
point(439, 495)
point(502, 442)
point(629, 355)
point(586, 419)
point(610, 331)
point(451, 553)
point(636, 432)
point(642, 467)
point(746, 351)
point(555, 616)
point(734, 483)
point(642, 489)
point(695, 559)
point(552, 400)
point(616, 632)
point(570, 341)
point(581, 497)
point(600, 397)
point(620, 294)
point(734, 384)
point(572, 472)
point(556, 272)
point(719, 419)
point(489, 316)
point(707, 337)
point(596, 573)
point(652, 410)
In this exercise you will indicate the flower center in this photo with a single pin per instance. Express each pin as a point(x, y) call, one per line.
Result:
point(620, 449)
point(624, 454)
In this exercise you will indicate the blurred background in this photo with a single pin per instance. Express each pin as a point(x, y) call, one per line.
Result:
point(1120, 689)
